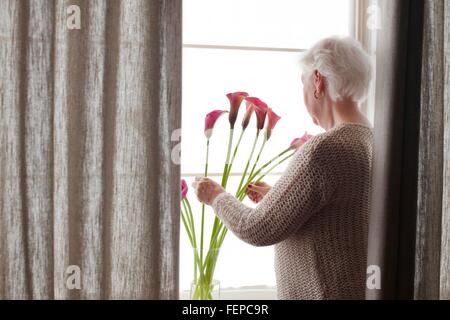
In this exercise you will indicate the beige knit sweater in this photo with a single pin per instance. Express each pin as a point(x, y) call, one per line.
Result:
point(316, 216)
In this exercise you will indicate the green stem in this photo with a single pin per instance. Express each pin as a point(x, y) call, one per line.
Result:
point(217, 222)
point(188, 209)
point(225, 169)
point(270, 161)
point(242, 194)
point(251, 177)
point(257, 158)
point(222, 237)
point(186, 227)
point(234, 153)
point(274, 166)
point(203, 205)
point(190, 230)
point(249, 159)
point(190, 219)
point(217, 227)
point(197, 266)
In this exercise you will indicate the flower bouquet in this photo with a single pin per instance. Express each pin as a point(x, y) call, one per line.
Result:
point(205, 258)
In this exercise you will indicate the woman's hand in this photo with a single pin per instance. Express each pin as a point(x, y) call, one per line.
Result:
point(206, 189)
point(256, 191)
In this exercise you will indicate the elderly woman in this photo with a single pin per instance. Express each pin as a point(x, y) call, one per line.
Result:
point(316, 214)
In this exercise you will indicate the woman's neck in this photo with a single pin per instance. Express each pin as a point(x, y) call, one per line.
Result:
point(342, 111)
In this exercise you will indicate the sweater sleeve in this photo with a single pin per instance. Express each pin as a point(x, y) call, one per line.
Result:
point(296, 196)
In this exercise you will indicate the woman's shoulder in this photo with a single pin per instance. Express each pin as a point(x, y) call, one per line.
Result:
point(340, 139)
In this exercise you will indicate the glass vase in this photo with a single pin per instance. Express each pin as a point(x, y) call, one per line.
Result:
point(208, 290)
point(204, 286)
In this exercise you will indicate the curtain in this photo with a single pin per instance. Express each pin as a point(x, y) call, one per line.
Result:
point(432, 263)
point(392, 223)
point(409, 237)
point(445, 246)
point(87, 172)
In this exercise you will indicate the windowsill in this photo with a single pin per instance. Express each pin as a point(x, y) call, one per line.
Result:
point(242, 293)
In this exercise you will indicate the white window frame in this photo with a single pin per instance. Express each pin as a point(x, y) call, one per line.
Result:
point(362, 11)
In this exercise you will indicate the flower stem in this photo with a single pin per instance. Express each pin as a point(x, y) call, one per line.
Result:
point(251, 177)
point(217, 223)
point(225, 169)
point(186, 227)
point(190, 221)
point(274, 166)
point(234, 153)
point(249, 159)
point(257, 158)
point(190, 217)
point(203, 205)
point(241, 196)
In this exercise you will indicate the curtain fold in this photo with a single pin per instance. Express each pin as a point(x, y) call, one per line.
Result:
point(392, 224)
point(431, 156)
point(86, 169)
point(445, 246)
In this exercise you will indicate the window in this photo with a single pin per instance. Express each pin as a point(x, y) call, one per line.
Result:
point(252, 46)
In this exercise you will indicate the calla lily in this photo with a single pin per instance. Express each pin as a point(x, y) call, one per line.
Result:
point(260, 110)
point(272, 121)
point(298, 142)
point(184, 189)
point(235, 102)
point(248, 114)
point(210, 121)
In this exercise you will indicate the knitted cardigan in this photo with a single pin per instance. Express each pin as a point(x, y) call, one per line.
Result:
point(316, 216)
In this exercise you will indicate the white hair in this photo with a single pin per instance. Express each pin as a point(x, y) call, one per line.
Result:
point(343, 63)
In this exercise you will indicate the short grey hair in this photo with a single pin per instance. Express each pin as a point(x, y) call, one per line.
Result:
point(344, 64)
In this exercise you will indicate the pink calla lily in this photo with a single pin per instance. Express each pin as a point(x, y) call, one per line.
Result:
point(184, 188)
point(260, 110)
point(210, 121)
point(298, 142)
point(272, 121)
point(235, 102)
point(248, 114)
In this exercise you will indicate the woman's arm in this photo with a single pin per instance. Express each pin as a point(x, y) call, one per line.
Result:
point(299, 193)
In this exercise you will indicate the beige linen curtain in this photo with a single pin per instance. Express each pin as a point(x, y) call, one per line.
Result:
point(86, 171)
point(432, 258)
point(409, 237)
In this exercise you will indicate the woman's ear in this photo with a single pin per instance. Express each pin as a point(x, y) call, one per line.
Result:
point(318, 81)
